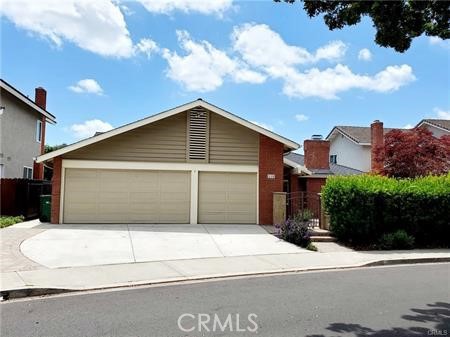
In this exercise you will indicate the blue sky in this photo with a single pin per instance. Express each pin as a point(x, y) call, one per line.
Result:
point(106, 63)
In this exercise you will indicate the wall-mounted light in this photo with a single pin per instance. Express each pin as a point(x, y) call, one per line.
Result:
point(2, 109)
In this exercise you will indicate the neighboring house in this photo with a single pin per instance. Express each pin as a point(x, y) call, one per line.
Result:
point(351, 146)
point(439, 127)
point(22, 132)
point(307, 173)
point(195, 163)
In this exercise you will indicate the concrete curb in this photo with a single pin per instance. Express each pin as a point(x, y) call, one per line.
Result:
point(36, 291)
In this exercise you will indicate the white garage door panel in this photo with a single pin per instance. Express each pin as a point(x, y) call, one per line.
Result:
point(122, 196)
point(227, 197)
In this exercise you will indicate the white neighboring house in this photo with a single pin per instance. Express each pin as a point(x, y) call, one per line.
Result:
point(351, 146)
point(439, 127)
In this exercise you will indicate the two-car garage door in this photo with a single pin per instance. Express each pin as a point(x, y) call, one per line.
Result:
point(144, 196)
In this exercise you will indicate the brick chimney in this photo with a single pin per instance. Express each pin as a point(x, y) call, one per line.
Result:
point(40, 98)
point(377, 140)
point(317, 153)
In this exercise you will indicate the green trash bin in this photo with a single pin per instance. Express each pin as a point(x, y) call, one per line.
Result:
point(45, 208)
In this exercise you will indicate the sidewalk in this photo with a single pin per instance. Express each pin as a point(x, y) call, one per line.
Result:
point(106, 276)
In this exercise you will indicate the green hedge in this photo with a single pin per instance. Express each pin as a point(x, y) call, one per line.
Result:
point(364, 208)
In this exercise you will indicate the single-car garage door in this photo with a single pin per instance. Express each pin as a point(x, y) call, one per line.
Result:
point(121, 196)
point(227, 197)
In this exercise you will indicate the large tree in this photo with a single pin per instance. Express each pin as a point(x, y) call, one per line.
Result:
point(397, 22)
point(414, 153)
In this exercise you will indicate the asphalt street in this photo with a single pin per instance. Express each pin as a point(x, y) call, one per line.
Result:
point(411, 300)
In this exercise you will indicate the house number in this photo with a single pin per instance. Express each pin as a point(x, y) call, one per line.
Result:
point(271, 176)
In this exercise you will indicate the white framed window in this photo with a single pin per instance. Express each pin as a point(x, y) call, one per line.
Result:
point(39, 131)
point(333, 159)
point(27, 172)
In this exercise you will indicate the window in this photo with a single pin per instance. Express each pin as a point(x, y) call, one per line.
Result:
point(333, 159)
point(27, 172)
point(39, 131)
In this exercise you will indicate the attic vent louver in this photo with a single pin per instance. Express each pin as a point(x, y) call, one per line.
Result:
point(198, 127)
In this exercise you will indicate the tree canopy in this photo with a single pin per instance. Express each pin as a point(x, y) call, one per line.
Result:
point(414, 153)
point(51, 148)
point(397, 22)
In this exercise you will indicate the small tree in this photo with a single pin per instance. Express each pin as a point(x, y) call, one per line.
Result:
point(414, 153)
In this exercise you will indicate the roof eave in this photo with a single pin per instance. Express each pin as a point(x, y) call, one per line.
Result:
point(48, 116)
point(288, 144)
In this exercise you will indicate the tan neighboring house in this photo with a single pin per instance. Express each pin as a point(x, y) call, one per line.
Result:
point(22, 132)
point(195, 163)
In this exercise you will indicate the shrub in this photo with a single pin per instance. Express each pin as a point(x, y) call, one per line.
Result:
point(397, 240)
point(364, 208)
point(296, 232)
point(303, 215)
point(6, 221)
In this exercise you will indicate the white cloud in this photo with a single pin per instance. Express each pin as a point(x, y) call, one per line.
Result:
point(97, 26)
point(200, 6)
point(436, 41)
point(443, 114)
point(204, 67)
point(265, 50)
point(260, 46)
point(301, 118)
point(87, 85)
point(332, 51)
point(331, 81)
point(89, 128)
point(365, 55)
point(263, 125)
point(408, 126)
point(147, 47)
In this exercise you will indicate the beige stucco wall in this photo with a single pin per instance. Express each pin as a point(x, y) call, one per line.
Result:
point(18, 145)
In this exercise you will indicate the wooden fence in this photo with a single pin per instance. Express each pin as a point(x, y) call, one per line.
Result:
point(21, 196)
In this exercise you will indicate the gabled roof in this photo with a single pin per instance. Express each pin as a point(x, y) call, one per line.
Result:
point(358, 134)
point(289, 144)
point(16, 93)
point(439, 123)
point(297, 160)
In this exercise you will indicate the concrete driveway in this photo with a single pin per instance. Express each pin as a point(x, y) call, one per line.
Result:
point(88, 245)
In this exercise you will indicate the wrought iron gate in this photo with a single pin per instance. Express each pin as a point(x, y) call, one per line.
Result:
point(304, 205)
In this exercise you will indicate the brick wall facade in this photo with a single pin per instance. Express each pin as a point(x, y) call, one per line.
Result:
point(377, 139)
point(56, 189)
point(314, 185)
point(317, 154)
point(270, 163)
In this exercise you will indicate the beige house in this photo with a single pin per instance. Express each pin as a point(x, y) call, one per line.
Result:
point(195, 163)
point(22, 132)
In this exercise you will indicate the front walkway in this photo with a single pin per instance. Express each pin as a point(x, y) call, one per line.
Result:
point(106, 276)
